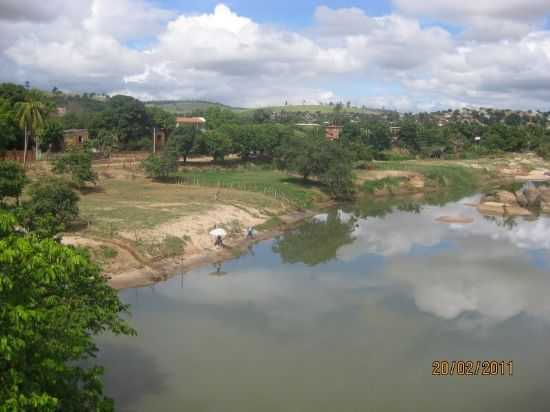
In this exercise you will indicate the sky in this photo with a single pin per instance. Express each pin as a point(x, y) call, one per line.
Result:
point(407, 55)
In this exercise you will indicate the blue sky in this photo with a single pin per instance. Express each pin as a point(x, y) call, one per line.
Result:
point(293, 14)
point(409, 55)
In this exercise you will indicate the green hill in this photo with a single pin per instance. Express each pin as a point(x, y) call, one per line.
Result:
point(188, 106)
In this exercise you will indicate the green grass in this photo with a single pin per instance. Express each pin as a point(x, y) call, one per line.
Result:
point(450, 177)
point(188, 106)
point(269, 182)
point(169, 246)
point(386, 183)
point(270, 224)
point(108, 252)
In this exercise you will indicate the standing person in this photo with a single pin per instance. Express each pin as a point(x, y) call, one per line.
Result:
point(250, 233)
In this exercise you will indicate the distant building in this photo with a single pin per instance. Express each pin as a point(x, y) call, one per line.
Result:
point(61, 111)
point(308, 125)
point(193, 121)
point(394, 131)
point(332, 132)
point(75, 137)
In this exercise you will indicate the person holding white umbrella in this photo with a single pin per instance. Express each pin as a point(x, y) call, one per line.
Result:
point(218, 234)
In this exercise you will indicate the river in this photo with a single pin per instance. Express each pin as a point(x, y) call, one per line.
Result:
point(348, 313)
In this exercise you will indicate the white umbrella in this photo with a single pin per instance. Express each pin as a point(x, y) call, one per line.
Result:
point(218, 232)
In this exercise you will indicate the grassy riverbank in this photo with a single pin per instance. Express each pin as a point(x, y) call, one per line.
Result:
point(273, 183)
point(140, 228)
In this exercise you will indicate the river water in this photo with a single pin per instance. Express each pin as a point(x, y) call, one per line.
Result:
point(348, 313)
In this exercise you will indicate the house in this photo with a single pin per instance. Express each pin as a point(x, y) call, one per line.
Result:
point(193, 121)
point(395, 130)
point(60, 111)
point(332, 132)
point(75, 137)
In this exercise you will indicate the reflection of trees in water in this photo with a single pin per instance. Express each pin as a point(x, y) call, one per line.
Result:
point(508, 222)
point(315, 242)
point(369, 207)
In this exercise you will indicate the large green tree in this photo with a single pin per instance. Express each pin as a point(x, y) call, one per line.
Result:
point(183, 140)
point(51, 136)
point(54, 300)
point(217, 143)
point(314, 156)
point(128, 118)
point(161, 118)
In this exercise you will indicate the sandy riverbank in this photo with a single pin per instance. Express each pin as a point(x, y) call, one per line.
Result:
point(129, 269)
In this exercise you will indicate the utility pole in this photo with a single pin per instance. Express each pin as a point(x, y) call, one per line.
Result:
point(154, 140)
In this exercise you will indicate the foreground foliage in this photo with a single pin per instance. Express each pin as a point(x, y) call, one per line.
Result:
point(53, 301)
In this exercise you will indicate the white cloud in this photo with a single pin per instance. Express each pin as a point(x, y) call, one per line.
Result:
point(39, 11)
point(483, 19)
point(451, 9)
point(84, 45)
point(126, 19)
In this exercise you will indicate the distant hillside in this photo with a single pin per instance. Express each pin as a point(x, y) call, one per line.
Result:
point(325, 108)
point(188, 106)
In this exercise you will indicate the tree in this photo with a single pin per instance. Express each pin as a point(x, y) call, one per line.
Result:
point(51, 136)
point(8, 124)
point(313, 156)
point(337, 177)
point(217, 117)
point(302, 155)
point(183, 140)
point(378, 136)
point(53, 205)
point(217, 143)
point(128, 118)
point(77, 164)
point(54, 300)
point(106, 141)
point(12, 180)
point(13, 93)
point(161, 118)
point(161, 166)
point(30, 115)
point(261, 115)
point(408, 135)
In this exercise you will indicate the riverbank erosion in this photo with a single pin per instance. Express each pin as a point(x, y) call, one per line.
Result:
point(142, 231)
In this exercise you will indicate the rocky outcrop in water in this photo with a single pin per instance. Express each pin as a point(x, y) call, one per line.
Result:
point(519, 203)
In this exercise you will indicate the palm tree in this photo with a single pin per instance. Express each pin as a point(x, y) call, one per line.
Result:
point(30, 116)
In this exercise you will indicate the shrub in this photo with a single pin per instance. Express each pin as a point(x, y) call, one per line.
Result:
point(53, 205)
point(161, 166)
point(78, 165)
point(12, 179)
